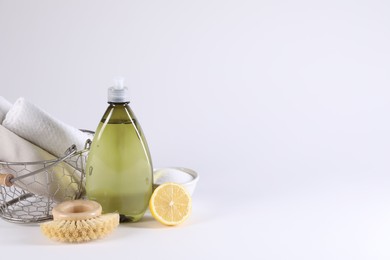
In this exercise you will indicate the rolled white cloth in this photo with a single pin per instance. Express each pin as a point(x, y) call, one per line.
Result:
point(61, 182)
point(4, 108)
point(35, 125)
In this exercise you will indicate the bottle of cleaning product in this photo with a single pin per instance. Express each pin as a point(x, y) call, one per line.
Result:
point(119, 172)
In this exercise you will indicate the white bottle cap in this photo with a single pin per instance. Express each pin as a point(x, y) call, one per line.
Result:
point(118, 93)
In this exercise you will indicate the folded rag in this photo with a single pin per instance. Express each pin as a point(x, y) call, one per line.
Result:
point(61, 182)
point(4, 107)
point(40, 128)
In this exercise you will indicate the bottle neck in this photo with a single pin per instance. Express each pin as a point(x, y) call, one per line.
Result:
point(118, 113)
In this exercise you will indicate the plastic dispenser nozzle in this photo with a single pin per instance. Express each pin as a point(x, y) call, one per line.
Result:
point(118, 93)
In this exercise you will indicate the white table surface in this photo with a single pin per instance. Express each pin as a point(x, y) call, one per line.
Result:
point(312, 218)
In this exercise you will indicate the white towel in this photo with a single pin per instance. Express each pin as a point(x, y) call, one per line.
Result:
point(40, 128)
point(61, 182)
point(4, 107)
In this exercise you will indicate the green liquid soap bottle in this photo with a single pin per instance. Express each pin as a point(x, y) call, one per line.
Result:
point(119, 171)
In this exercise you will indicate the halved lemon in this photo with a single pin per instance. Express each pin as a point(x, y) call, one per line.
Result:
point(170, 204)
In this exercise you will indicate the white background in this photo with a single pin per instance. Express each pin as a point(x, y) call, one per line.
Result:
point(282, 107)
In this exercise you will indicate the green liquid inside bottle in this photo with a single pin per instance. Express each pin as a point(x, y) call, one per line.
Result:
point(119, 172)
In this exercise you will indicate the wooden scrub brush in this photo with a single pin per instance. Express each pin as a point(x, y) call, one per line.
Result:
point(77, 221)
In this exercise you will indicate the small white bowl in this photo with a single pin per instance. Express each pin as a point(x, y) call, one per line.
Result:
point(186, 177)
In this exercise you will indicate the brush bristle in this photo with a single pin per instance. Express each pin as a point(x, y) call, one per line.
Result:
point(76, 231)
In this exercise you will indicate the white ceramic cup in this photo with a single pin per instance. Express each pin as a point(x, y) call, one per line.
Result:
point(183, 176)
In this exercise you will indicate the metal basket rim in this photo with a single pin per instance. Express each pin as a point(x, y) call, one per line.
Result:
point(43, 161)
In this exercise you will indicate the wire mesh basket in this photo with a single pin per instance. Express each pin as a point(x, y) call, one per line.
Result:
point(30, 190)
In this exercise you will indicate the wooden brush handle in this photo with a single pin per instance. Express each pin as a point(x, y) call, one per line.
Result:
point(5, 179)
point(77, 210)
